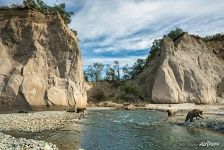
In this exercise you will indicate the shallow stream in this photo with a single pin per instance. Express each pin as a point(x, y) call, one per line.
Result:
point(129, 130)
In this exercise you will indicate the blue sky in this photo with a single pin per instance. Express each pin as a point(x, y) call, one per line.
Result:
point(124, 29)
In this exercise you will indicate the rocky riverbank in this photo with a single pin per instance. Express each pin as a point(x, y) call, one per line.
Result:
point(111, 104)
point(8, 142)
point(35, 121)
point(32, 122)
point(213, 114)
point(212, 121)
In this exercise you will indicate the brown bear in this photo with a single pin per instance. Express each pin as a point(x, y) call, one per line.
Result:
point(81, 110)
point(194, 113)
point(76, 110)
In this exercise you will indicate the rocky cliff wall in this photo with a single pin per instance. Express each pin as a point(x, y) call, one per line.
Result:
point(185, 70)
point(40, 61)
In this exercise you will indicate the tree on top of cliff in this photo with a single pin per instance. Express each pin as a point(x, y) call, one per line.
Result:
point(218, 36)
point(137, 67)
point(40, 6)
point(156, 45)
point(174, 34)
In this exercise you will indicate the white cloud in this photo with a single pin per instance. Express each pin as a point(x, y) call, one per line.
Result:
point(127, 45)
point(9, 2)
point(115, 25)
point(118, 20)
point(123, 61)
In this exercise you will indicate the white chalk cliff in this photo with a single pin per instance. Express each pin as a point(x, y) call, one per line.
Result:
point(40, 61)
point(188, 69)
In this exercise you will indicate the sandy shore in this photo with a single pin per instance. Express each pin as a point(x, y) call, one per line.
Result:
point(32, 122)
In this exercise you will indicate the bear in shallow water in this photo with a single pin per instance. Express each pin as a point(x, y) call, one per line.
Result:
point(194, 113)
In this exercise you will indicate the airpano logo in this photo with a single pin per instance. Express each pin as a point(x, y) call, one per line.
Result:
point(209, 143)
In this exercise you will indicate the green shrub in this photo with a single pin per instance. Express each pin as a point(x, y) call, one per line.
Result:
point(99, 95)
point(175, 34)
point(137, 67)
point(74, 31)
point(156, 46)
point(130, 88)
point(217, 37)
point(40, 6)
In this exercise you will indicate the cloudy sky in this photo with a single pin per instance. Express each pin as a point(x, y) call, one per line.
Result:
point(124, 29)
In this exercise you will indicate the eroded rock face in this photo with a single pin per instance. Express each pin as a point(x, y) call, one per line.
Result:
point(40, 61)
point(186, 70)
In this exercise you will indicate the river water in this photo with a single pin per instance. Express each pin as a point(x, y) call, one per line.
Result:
point(130, 130)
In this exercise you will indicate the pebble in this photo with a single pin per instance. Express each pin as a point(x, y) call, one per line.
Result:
point(11, 143)
point(31, 122)
point(34, 122)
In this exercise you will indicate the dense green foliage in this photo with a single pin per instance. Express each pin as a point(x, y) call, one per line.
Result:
point(174, 34)
point(218, 37)
point(40, 6)
point(128, 92)
point(130, 88)
point(137, 67)
point(94, 72)
point(156, 45)
point(112, 73)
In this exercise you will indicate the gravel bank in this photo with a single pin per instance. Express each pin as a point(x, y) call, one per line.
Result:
point(32, 122)
point(213, 115)
point(35, 122)
point(211, 121)
point(8, 142)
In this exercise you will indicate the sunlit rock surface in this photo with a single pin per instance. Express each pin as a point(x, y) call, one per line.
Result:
point(40, 61)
